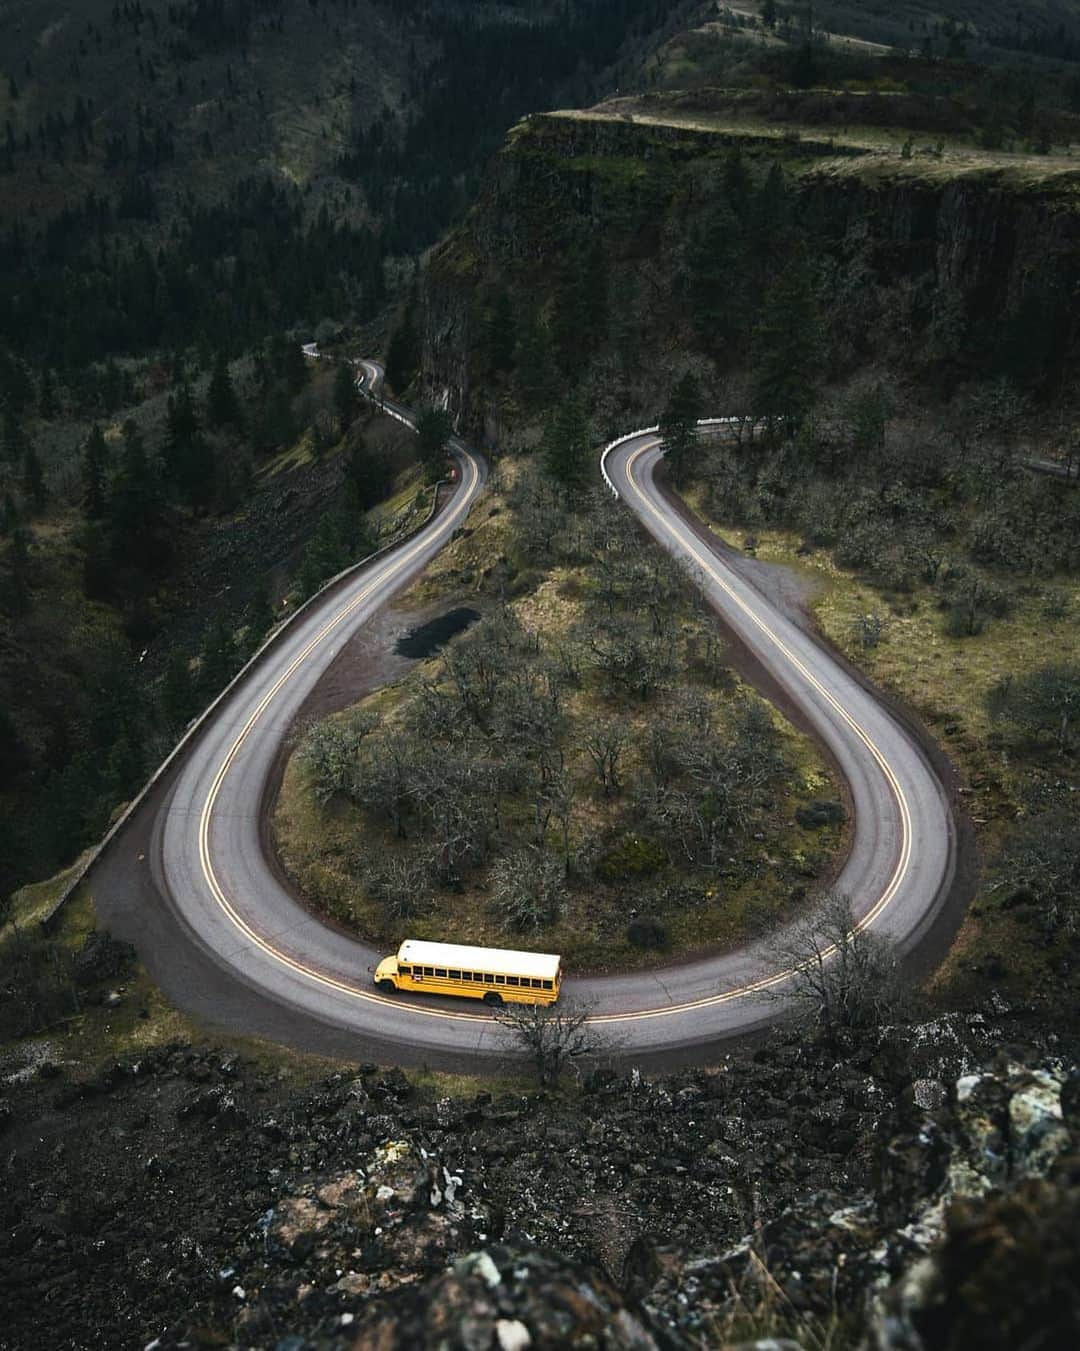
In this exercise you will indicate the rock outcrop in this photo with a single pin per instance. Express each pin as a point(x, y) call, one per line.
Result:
point(921, 1188)
point(947, 261)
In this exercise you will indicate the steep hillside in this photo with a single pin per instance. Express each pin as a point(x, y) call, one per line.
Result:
point(665, 219)
point(279, 152)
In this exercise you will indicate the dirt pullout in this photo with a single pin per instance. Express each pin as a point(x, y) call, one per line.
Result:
point(380, 652)
point(370, 660)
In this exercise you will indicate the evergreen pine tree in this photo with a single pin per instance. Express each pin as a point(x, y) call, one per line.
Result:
point(179, 699)
point(770, 221)
point(16, 582)
point(403, 353)
point(433, 430)
point(222, 407)
point(33, 478)
point(47, 403)
point(188, 457)
point(295, 368)
point(136, 508)
point(260, 614)
point(217, 661)
point(678, 427)
point(11, 443)
point(324, 556)
point(717, 268)
point(566, 444)
point(9, 515)
point(345, 395)
point(275, 423)
point(787, 349)
point(95, 465)
point(367, 477)
point(124, 766)
point(736, 180)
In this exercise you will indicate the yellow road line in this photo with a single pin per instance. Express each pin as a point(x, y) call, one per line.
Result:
point(216, 890)
point(903, 862)
point(343, 987)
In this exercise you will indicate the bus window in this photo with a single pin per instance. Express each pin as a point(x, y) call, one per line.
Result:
point(466, 975)
point(489, 979)
point(513, 980)
point(537, 984)
point(454, 975)
point(428, 971)
point(441, 971)
point(547, 985)
point(403, 970)
point(500, 980)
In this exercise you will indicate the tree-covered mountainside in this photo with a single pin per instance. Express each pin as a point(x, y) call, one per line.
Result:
point(208, 169)
point(184, 188)
point(1008, 68)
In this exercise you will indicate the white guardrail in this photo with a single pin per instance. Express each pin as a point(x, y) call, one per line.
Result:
point(651, 431)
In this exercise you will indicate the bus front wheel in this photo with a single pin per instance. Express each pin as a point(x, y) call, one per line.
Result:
point(493, 997)
point(386, 986)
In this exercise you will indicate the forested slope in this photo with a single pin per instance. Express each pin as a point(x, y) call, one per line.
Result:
point(186, 190)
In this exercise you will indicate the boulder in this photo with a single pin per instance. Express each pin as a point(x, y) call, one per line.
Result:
point(506, 1299)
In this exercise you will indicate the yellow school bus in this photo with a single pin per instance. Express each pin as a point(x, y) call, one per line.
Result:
point(495, 975)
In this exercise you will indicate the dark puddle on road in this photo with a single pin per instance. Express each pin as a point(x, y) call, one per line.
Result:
point(426, 640)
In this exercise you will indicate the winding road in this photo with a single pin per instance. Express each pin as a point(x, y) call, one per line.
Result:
point(189, 880)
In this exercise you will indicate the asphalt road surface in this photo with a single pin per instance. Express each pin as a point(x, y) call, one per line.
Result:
point(190, 883)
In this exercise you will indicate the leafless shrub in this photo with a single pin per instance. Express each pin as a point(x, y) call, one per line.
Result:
point(552, 1036)
point(845, 979)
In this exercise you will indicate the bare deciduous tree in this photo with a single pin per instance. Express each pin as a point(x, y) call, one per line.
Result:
point(1041, 703)
point(605, 745)
point(1041, 863)
point(632, 663)
point(530, 888)
point(329, 749)
point(869, 629)
point(551, 1036)
point(846, 979)
point(401, 885)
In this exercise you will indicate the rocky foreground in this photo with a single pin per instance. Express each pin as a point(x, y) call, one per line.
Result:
point(917, 1193)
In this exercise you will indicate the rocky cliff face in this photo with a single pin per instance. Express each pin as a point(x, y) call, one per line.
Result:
point(954, 268)
point(917, 1193)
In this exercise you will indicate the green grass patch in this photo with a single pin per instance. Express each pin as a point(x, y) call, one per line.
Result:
point(30, 904)
point(296, 456)
point(87, 1032)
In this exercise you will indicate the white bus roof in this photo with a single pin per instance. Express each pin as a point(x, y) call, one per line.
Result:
point(502, 961)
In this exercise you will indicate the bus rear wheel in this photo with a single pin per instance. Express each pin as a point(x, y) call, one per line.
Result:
point(493, 997)
point(386, 986)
